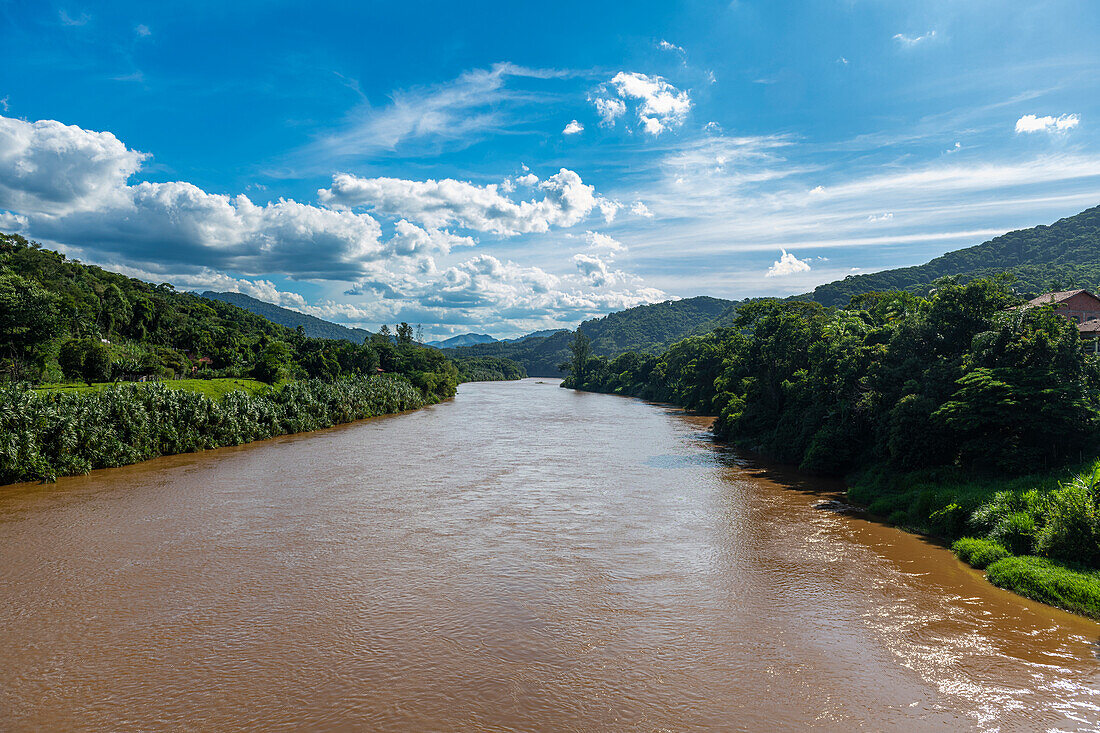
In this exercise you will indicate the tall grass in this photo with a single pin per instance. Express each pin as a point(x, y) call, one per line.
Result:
point(1037, 535)
point(46, 435)
point(1049, 582)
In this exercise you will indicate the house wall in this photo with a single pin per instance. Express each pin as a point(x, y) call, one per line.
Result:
point(1080, 308)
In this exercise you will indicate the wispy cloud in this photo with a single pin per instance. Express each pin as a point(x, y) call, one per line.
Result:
point(456, 112)
point(910, 41)
point(667, 46)
point(69, 20)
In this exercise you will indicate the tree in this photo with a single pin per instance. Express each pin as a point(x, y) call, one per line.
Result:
point(274, 363)
point(117, 312)
point(404, 333)
point(581, 348)
point(71, 358)
point(28, 320)
point(97, 362)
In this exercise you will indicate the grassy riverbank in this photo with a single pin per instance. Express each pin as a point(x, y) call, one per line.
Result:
point(1037, 535)
point(49, 433)
point(215, 389)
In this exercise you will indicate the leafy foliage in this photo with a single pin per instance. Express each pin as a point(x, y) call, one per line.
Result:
point(960, 378)
point(48, 434)
point(488, 369)
point(979, 553)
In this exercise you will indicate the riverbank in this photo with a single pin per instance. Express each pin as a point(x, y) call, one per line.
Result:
point(46, 434)
point(1036, 535)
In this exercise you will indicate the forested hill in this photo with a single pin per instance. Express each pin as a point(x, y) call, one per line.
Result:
point(652, 327)
point(647, 328)
point(61, 320)
point(313, 327)
point(1061, 256)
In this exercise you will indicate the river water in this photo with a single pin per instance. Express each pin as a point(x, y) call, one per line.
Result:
point(522, 557)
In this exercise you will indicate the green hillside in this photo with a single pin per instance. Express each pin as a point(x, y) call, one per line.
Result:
point(313, 327)
point(62, 321)
point(642, 328)
point(1061, 256)
point(651, 327)
point(538, 356)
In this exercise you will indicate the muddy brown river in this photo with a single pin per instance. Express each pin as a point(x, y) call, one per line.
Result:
point(522, 557)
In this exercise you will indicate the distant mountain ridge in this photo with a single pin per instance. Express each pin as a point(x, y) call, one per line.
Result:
point(1061, 256)
point(314, 327)
point(641, 328)
point(464, 339)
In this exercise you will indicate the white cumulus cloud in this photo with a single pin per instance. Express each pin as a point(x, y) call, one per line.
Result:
point(50, 168)
point(787, 264)
point(566, 201)
point(573, 128)
point(1048, 123)
point(658, 105)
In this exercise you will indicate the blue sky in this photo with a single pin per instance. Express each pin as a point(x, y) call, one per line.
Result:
point(503, 167)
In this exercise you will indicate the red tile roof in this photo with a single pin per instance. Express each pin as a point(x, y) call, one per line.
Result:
point(1058, 297)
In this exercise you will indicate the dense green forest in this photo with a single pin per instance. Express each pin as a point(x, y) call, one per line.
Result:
point(312, 326)
point(61, 320)
point(930, 406)
point(488, 369)
point(1062, 256)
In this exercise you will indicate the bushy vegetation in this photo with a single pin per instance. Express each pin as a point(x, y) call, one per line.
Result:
point(959, 379)
point(1049, 582)
point(979, 553)
point(45, 434)
point(958, 415)
point(488, 369)
point(63, 321)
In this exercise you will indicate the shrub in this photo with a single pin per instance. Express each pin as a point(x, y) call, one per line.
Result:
point(1016, 531)
point(1072, 528)
point(979, 553)
point(1049, 582)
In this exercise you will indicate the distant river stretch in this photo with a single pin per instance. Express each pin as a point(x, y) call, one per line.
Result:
point(522, 557)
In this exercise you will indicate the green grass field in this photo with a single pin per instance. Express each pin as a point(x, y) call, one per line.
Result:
point(215, 389)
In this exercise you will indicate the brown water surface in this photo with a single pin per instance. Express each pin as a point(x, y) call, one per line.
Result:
point(520, 558)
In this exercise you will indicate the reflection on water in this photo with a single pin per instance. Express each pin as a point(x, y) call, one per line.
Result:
point(523, 557)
